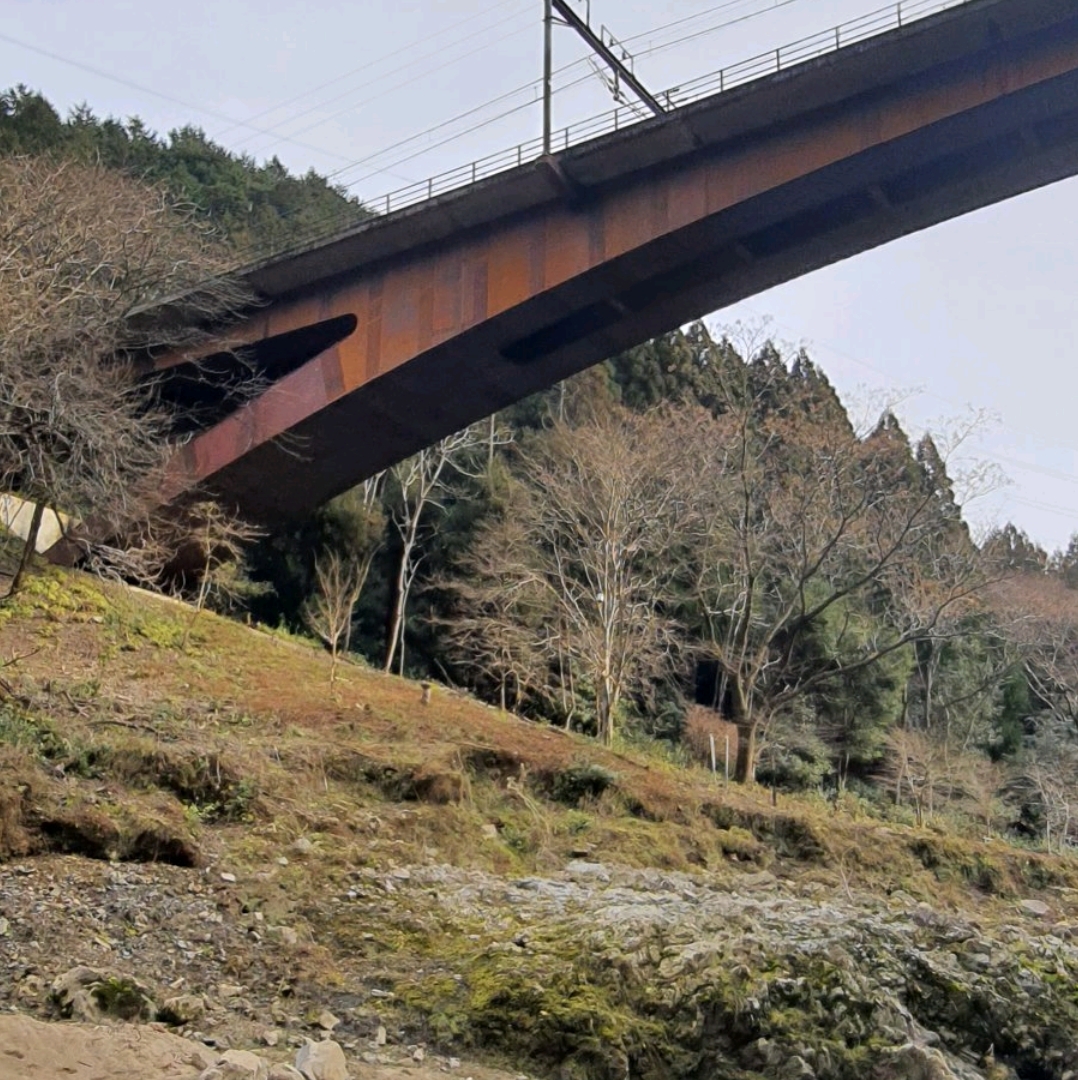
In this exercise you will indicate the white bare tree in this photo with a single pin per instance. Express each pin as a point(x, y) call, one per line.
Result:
point(420, 483)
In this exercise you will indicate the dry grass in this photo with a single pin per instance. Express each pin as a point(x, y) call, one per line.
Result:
point(127, 743)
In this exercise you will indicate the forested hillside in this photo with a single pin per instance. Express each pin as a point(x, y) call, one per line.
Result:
point(686, 536)
point(691, 541)
point(256, 207)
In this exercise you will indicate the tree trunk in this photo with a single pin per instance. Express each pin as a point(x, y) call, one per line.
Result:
point(28, 549)
point(927, 721)
point(605, 713)
point(745, 771)
point(396, 613)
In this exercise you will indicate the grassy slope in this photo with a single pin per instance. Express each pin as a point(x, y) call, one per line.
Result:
point(124, 743)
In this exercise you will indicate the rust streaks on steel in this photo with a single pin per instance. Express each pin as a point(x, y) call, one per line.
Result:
point(894, 16)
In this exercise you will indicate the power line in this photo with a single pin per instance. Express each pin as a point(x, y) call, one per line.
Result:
point(368, 65)
point(316, 230)
point(1043, 470)
point(697, 34)
point(533, 85)
point(1048, 508)
point(119, 80)
point(433, 129)
point(769, 5)
point(448, 139)
point(1003, 459)
point(394, 87)
point(272, 132)
point(445, 123)
point(772, 5)
point(346, 215)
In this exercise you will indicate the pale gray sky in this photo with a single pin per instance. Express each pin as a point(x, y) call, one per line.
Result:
point(975, 314)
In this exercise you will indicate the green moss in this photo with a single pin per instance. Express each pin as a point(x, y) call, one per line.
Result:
point(42, 737)
point(553, 1001)
point(580, 781)
point(122, 998)
point(742, 844)
point(57, 596)
point(162, 633)
point(951, 859)
point(212, 786)
point(788, 834)
point(577, 823)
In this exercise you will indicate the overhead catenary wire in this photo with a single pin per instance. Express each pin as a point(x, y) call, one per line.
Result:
point(347, 215)
point(335, 175)
point(203, 110)
point(384, 90)
point(142, 89)
point(770, 5)
point(1047, 508)
point(368, 65)
point(292, 138)
point(323, 103)
point(987, 454)
point(650, 35)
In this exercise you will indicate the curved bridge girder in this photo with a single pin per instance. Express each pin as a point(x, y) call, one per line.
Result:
point(474, 300)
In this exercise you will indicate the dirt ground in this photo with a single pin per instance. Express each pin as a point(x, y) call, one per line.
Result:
point(33, 1050)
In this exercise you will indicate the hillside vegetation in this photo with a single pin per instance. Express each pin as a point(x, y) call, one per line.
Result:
point(474, 883)
point(706, 739)
point(698, 522)
point(258, 208)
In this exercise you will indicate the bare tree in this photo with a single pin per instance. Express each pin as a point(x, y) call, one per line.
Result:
point(498, 611)
point(1045, 785)
point(569, 588)
point(329, 611)
point(806, 529)
point(1037, 616)
point(212, 543)
point(922, 768)
point(86, 257)
point(420, 483)
point(982, 783)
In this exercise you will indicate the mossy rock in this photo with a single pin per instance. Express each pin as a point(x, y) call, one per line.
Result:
point(90, 995)
point(741, 844)
point(952, 860)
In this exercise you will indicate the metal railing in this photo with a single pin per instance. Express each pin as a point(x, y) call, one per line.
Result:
point(892, 17)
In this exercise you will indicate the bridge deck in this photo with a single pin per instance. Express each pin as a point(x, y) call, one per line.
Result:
point(474, 299)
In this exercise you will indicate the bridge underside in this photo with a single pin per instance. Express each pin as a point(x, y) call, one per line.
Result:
point(456, 309)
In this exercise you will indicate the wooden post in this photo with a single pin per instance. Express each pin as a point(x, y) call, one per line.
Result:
point(714, 767)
